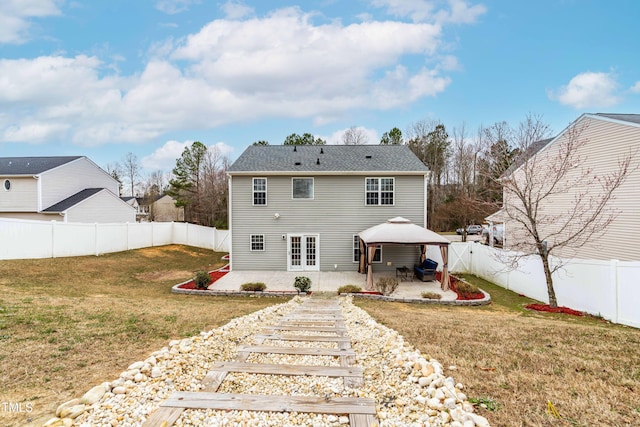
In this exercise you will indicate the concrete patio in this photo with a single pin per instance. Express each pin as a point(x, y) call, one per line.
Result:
point(325, 281)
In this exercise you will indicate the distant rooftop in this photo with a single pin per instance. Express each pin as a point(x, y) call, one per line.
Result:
point(327, 158)
point(632, 118)
point(32, 165)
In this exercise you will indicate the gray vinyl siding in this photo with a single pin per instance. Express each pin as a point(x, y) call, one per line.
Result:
point(103, 207)
point(607, 143)
point(68, 179)
point(23, 195)
point(336, 213)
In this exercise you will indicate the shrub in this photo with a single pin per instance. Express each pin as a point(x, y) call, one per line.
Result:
point(349, 289)
point(302, 284)
point(253, 286)
point(431, 295)
point(387, 285)
point(202, 280)
point(466, 289)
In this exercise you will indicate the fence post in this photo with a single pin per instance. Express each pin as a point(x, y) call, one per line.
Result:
point(614, 282)
point(95, 238)
point(53, 239)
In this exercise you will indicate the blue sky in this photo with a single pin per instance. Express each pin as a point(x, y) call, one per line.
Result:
point(102, 78)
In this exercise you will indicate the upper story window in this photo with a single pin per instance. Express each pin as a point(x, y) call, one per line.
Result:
point(379, 191)
point(7, 185)
point(259, 191)
point(302, 188)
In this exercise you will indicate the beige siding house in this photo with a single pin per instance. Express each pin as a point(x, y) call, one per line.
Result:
point(164, 209)
point(608, 138)
point(67, 189)
point(300, 208)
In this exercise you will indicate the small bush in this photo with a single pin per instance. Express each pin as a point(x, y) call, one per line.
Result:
point(202, 280)
point(253, 286)
point(466, 289)
point(387, 285)
point(431, 295)
point(349, 289)
point(302, 284)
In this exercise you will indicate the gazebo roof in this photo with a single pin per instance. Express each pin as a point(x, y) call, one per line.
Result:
point(401, 231)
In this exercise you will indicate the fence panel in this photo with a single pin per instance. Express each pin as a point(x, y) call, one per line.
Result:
point(23, 239)
point(73, 239)
point(628, 293)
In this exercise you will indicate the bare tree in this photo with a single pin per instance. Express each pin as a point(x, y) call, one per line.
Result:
point(115, 170)
point(215, 190)
point(544, 176)
point(131, 168)
point(354, 136)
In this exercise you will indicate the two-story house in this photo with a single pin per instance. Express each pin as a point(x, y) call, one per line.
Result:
point(300, 208)
point(66, 189)
point(605, 140)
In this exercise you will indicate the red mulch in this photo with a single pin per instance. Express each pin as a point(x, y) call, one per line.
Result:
point(461, 296)
point(548, 309)
point(215, 275)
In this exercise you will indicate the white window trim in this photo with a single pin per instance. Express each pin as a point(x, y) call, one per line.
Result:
point(264, 244)
point(353, 249)
point(393, 179)
point(253, 191)
point(313, 188)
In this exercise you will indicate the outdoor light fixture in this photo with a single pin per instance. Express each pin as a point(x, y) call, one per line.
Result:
point(276, 215)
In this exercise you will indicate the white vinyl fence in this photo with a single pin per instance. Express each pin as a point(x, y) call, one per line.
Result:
point(23, 239)
point(608, 288)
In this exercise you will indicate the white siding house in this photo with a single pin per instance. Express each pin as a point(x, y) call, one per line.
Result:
point(608, 138)
point(67, 189)
point(300, 208)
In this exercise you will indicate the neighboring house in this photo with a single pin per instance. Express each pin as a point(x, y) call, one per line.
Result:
point(66, 189)
point(164, 209)
point(609, 138)
point(300, 208)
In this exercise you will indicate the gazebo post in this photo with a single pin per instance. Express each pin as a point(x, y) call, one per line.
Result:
point(444, 251)
point(370, 253)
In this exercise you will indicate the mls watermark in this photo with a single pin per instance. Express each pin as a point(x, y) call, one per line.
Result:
point(16, 407)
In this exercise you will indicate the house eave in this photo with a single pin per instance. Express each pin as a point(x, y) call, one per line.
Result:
point(327, 173)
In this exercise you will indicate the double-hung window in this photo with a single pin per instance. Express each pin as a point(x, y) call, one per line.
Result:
point(302, 188)
point(259, 191)
point(379, 191)
point(377, 256)
point(257, 242)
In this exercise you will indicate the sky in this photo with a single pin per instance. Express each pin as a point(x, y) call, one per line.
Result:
point(104, 78)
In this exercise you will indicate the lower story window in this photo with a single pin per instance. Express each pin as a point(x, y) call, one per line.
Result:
point(377, 256)
point(257, 242)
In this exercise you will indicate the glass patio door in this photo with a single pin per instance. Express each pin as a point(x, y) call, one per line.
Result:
point(303, 252)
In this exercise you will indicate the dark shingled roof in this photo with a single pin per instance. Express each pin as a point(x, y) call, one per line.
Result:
point(327, 158)
point(31, 165)
point(633, 118)
point(73, 200)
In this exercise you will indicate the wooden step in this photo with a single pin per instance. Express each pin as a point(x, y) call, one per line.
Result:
point(307, 328)
point(296, 350)
point(279, 369)
point(316, 338)
point(270, 403)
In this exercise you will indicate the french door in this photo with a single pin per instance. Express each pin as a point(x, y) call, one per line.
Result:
point(303, 252)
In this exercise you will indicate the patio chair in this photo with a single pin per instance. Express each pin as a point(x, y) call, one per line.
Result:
point(426, 271)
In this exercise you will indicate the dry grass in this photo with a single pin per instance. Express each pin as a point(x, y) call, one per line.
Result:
point(516, 361)
point(68, 324)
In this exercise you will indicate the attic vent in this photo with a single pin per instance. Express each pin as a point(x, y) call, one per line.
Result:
point(298, 163)
point(318, 162)
point(368, 157)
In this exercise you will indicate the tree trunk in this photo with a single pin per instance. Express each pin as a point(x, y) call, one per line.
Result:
point(553, 302)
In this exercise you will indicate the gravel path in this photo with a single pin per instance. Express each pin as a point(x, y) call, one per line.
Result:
point(408, 388)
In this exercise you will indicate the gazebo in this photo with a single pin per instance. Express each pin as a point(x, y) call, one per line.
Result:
point(400, 231)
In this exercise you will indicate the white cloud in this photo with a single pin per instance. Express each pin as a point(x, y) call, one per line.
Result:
point(635, 88)
point(164, 158)
point(171, 7)
point(236, 10)
point(588, 90)
point(460, 11)
point(230, 71)
point(15, 16)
